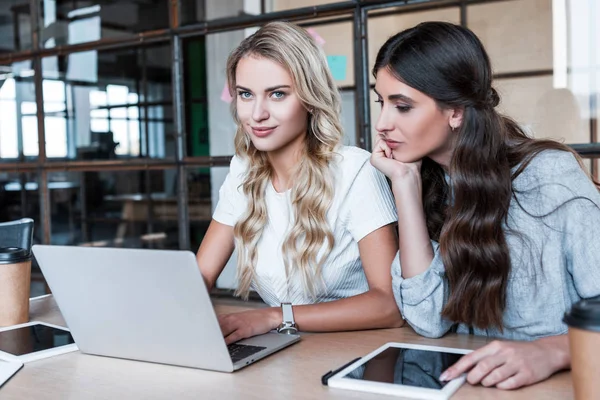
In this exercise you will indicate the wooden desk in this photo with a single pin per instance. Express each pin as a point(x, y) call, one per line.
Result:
point(293, 373)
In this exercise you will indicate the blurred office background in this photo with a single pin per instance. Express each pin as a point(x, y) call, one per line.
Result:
point(114, 119)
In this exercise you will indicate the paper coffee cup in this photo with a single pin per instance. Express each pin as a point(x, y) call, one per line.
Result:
point(15, 281)
point(584, 341)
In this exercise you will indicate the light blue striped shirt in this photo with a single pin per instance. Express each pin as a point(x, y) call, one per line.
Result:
point(555, 261)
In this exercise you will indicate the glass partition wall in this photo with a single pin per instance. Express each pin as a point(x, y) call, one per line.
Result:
point(115, 127)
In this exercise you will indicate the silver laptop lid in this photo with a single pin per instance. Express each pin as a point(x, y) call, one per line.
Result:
point(149, 305)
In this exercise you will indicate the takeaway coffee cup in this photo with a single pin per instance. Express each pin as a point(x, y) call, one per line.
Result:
point(15, 278)
point(584, 341)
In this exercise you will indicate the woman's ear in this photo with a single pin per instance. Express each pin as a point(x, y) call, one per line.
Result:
point(455, 119)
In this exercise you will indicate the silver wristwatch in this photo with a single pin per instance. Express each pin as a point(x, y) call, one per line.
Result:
point(288, 325)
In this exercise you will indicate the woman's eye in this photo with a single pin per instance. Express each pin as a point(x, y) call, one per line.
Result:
point(278, 95)
point(245, 95)
point(403, 109)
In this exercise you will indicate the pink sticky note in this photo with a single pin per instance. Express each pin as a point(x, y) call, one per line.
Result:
point(225, 95)
point(320, 41)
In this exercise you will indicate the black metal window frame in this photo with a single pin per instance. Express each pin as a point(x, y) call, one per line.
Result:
point(357, 11)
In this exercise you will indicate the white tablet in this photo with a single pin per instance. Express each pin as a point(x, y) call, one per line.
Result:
point(33, 341)
point(8, 369)
point(400, 369)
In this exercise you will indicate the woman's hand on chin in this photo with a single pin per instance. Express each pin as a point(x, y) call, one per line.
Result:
point(382, 158)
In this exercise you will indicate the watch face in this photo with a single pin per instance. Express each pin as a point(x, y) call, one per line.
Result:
point(287, 329)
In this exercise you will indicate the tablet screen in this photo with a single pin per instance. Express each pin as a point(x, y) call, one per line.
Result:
point(29, 339)
point(410, 367)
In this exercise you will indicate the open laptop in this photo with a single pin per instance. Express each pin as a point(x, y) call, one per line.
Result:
point(148, 305)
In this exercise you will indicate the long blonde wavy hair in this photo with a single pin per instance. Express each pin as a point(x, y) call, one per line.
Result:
point(312, 192)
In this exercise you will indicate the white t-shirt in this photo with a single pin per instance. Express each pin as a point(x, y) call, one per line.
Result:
point(362, 203)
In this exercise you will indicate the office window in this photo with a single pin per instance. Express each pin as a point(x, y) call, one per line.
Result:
point(8, 119)
point(55, 118)
point(193, 11)
point(71, 22)
point(280, 5)
point(115, 111)
point(18, 120)
point(112, 208)
point(15, 26)
point(115, 104)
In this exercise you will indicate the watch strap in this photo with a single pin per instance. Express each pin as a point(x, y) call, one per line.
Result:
point(288, 313)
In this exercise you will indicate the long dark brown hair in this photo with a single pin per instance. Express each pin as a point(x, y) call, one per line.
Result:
point(449, 64)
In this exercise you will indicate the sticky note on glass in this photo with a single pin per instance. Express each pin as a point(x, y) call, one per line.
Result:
point(337, 66)
point(320, 41)
point(225, 95)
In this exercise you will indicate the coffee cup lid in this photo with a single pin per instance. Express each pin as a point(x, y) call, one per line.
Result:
point(585, 315)
point(12, 255)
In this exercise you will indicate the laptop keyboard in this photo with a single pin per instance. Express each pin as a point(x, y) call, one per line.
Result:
point(241, 351)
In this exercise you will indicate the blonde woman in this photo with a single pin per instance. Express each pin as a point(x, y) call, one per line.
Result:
point(312, 220)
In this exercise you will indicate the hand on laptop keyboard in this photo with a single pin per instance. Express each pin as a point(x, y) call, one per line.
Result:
point(245, 324)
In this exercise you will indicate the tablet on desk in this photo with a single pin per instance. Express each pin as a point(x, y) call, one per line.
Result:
point(33, 341)
point(8, 369)
point(400, 369)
